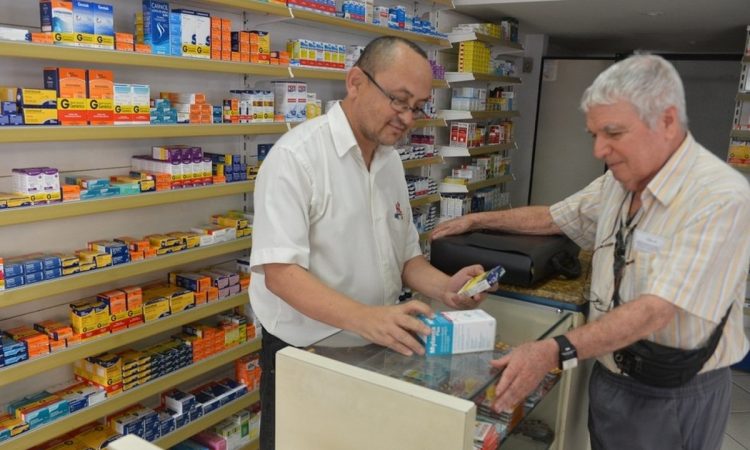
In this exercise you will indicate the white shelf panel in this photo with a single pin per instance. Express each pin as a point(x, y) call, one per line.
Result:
point(454, 114)
point(459, 152)
point(462, 77)
point(505, 47)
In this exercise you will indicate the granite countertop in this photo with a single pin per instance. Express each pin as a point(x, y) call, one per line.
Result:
point(556, 290)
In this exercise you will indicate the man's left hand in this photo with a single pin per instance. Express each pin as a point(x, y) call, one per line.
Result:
point(456, 282)
point(525, 367)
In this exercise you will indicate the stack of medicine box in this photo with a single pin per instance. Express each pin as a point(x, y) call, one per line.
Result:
point(165, 244)
point(39, 409)
point(221, 39)
point(190, 161)
point(233, 219)
point(132, 104)
point(92, 259)
point(103, 371)
point(37, 344)
point(200, 285)
point(124, 42)
point(231, 433)
point(204, 340)
point(247, 370)
point(36, 106)
point(139, 248)
point(136, 368)
point(60, 334)
point(137, 420)
point(40, 184)
point(70, 86)
point(142, 168)
point(191, 107)
point(89, 318)
point(9, 112)
point(181, 406)
point(10, 426)
point(227, 281)
point(117, 250)
point(162, 301)
point(79, 395)
point(11, 351)
point(251, 46)
point(152, 26)
point(162, 111)
point(28, 269)
point(93, 435)
point(79, 23)
point(228, 166)
point(290, 101)
point(190, 33)
point(92, 187)
point(250, 106)
point(235, 328)
point(166, 357)
point(125, 307)
point(500, 100)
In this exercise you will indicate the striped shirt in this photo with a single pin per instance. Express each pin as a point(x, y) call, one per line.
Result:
point(689, 244)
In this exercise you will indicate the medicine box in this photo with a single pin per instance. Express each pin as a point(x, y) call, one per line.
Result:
point(454, 332)
point(156, 26)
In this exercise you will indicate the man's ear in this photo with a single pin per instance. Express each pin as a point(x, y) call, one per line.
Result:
point(355, 79)
point(670, 121)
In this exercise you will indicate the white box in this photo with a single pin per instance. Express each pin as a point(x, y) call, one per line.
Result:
point(456, 332)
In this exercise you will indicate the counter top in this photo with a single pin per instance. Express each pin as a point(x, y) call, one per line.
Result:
point(557, 292)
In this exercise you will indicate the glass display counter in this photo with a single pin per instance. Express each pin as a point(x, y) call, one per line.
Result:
point(371, 397)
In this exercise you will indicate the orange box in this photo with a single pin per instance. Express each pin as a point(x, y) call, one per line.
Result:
point(201, 297)
point(73, 340)
point(71, 192)
point(125, 38)
point(142, 48)
point(42, 38)
point(101, 84)
point(68, 82)
point(116, 300)
point(136, 255)
point(118, 325)
point(149, 252)
point(235, 56)
point(134, 298)
point(212, 293)
point(124, 47)
point(55, 345)
point(134, 321)
point(54, 329)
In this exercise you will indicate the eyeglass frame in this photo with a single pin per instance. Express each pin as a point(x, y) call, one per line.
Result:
point(397, 104)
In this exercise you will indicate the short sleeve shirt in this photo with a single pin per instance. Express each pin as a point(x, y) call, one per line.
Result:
point(317, 206)
point(689, 245)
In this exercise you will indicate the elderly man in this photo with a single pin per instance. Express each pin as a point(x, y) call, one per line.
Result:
point(333, 238)
point(667, 224)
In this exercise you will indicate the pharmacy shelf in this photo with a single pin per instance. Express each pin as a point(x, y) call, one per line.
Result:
point(208, 420)
point(743, 97)
point(46, 432)
point(424, 200)
point(460, 77)
point(96, 277)
point(457, 152)
point(273, 9)
point(454, 114)
point(506, 47)
point(450, 188)
point(422, 123)
point(339, 75)
point(112, 57)
point(341, 24)
point(740, 134)
point(29, 133)
point(440, 84)
point(108, 342)
point(12, 216)
point(741, 167)
point(414, 163)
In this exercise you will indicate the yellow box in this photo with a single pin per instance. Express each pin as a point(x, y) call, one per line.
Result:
point(40, 116)
point(14, 200)
point(155, 307)
point(103, 260)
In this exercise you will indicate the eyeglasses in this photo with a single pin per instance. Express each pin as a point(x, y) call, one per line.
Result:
point(396, 103)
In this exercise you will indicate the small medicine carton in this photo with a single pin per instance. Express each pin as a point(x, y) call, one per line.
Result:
point(482, 282)
point(454, 332)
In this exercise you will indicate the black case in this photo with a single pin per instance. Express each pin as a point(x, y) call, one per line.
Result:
point(527, 259)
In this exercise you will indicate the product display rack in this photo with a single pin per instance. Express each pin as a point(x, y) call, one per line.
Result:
point(111, 405)
point(740, 134)
point(437, 122)
point(450, 188)
point(459, 152)
point(111, 274)
point(741, 120)
point(208, 420)
point(30, 214)
point(58, 133)
point(460, 77)
point(112, 341)
point(453, 114)
point(422, 162)
point(504, 46)
point(424, 200)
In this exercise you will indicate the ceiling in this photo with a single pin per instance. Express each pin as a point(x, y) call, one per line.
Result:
point(596, 27)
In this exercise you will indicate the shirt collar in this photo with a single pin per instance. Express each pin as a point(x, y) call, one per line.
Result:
point(341, 131)
point(670, 178)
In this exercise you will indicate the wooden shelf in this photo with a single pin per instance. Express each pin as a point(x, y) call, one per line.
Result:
point(743, 97)
point(414, 163)
point(208, 420)
point(740, 134)
point(30, 214)
point(453, 114)
point(31, 133)
point(422, 123)
point(253, 6)
point(112, 57)
point(459, 152)
point(108, 342)
point(424, 200)
point(318, 74)
point(461, 77)
point(96, 277)
point(450, 188)
point(46, 432)
point(366, 28)
point(503, 46)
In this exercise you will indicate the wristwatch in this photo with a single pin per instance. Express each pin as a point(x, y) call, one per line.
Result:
point(568, 354)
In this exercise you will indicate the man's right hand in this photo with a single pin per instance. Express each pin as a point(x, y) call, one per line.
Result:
point(393, 326)
point(459, 225)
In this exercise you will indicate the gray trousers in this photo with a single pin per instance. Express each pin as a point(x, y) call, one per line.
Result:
point(626, 414)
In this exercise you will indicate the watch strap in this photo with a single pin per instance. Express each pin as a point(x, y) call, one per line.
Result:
point(568, 355)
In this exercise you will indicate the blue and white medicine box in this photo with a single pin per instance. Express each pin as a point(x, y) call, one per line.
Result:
point(454, 332)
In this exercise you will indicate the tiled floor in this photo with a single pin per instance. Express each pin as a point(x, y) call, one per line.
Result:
point(738, 430)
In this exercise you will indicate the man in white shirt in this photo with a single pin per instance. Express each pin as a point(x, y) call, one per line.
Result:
point(333, 238)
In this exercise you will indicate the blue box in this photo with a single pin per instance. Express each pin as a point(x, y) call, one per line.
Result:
point(7, 108)
point(83, 17)
point(14, 282)
point(156, 23)
point(34, 277)
point(53, 273)
point(104, 19)
point(12, 269)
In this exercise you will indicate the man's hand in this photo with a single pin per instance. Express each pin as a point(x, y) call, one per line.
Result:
point(459, 225)
point(525, 367)
point(456, 282)
point(392, 326)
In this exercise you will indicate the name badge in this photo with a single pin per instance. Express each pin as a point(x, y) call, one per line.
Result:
point(647, 242)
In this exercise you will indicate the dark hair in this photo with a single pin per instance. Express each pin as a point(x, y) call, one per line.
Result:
point(379, 53)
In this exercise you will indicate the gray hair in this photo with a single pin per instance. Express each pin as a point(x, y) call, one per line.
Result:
point(379, 53)
point(649, 82)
